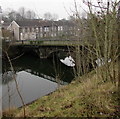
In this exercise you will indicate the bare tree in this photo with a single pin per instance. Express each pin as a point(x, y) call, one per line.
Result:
point(30, 14)
point(5, 50)
point(16, 83)
point(48, 16)
point(22, 12)
point(54, 16)
point(98, 33)
point(71, 18)
point(12, 15)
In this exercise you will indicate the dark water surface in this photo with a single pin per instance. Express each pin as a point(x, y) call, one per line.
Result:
point(35, 77)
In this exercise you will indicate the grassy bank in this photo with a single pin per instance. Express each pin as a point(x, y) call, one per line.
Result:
point(88, 96)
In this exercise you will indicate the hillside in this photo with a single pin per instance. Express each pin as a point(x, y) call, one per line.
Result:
point(87, 96)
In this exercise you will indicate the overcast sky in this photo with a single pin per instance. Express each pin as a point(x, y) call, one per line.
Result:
point(59, 7)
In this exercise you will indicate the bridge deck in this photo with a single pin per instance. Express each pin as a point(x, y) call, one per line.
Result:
point(51, 42)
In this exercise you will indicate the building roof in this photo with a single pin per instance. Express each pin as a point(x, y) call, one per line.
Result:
point(5, 24)
point(38, 23)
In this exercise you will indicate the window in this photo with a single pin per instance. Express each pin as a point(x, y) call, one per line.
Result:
point(46, 29)
point(41, 35)
point(40, 29)
point(54, 34)
point(20, 30)
point(25, 29)
point(37, 29)
point(55, 28)
point(51, 34)
point(37, 35)
point(30, 29)
point(52, 28)
point(34, 29)
point(59, 28)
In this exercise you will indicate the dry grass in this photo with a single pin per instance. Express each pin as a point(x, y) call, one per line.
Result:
point(90, 98)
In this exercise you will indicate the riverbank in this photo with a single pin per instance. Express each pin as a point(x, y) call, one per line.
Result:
point(88, 96)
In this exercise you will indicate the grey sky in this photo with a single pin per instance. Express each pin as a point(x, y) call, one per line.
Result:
point(42, 6)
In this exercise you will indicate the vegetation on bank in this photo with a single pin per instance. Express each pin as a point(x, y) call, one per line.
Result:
point(95, 94)
point(87, 96)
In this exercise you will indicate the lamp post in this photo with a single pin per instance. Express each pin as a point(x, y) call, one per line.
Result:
point(0, 60)
point(0, 23)
point(0, 28)
point(0, 14)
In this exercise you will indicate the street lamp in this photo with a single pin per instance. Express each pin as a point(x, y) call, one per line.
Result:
point(0, 14)
point(0, 60)
point(0, 24)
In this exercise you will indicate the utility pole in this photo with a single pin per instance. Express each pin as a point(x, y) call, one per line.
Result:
point(0, 61)
point(0, 23)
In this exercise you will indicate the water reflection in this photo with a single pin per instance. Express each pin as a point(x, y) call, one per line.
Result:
point(7, 77)
point(31, 74)
point(41, 66)
point(31, 88)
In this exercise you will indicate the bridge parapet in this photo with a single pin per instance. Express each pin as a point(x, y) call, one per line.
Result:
point(52, 42)
point(43, 48)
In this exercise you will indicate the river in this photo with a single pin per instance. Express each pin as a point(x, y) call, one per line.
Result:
point(35, 77)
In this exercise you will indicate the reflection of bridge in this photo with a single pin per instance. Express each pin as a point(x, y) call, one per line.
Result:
point(50, 78)
point(41, 67)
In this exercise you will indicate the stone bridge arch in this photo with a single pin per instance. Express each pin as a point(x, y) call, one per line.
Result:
point(48, 52)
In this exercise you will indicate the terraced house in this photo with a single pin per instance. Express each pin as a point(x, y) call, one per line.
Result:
point(38, 29)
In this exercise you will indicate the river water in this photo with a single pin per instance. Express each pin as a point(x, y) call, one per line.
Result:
point(35, 78)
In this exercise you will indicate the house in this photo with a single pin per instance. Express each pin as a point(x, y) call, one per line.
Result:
point(118, 10)
point(5, 25)
point(37, 29)
point(6, 34)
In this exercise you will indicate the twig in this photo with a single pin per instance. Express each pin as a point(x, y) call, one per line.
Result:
point(16, 83)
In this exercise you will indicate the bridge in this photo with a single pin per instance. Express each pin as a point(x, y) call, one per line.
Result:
point(52, 42)
point(45, 47)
